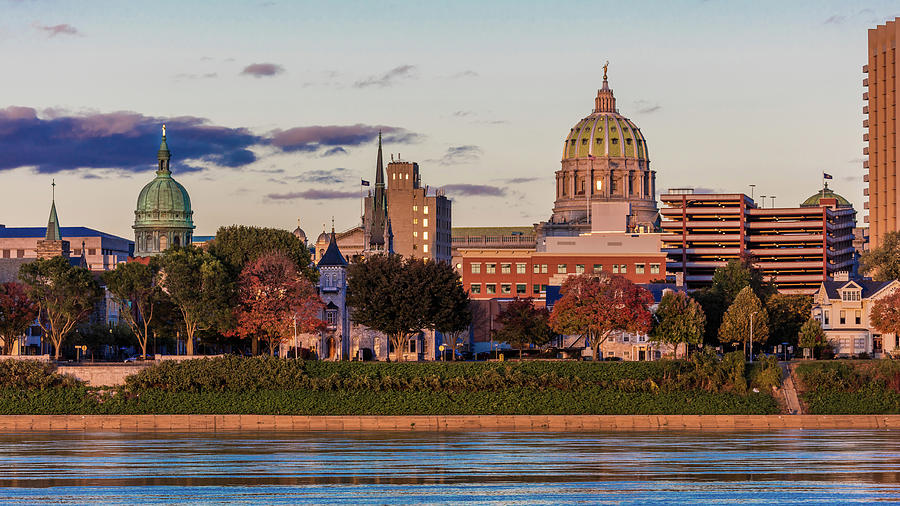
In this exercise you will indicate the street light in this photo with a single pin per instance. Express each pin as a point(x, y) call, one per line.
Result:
point(295, 336)
point(751, 335)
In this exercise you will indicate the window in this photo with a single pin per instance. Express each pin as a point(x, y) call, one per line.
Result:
point(638, 268)
point(331, 318)
point(858, 316)
point(843, 317)
point(598, 268)
point(20, 253)
point(425, 209)
point(825, 316)
point(424, 222)
point(412, 346)
point(543, 268)
point(623, 269)
point(505, 268)
point(599, 185)
point(425, 235)
point(415, 221)
point(93, 251)
point(475, 288)
point(560, 268)
point(506, 288)
point(491, 268)
point(579, 268)
point(625, 338)
point(425, 246)
point(415, 209)
point(536, 289)
point(654, 268)
point(521, 288)
point(475, 268)
point(850, 295)
point(490, 288)
point(520, 268)
point(615, 268)
point(536, 268)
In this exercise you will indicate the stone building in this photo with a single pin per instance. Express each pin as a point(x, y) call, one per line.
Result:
point(163, 217)
point(604, 159)
point(400, 216)
point(335, 340)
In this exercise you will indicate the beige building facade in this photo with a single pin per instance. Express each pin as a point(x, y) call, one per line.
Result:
point(844, 306)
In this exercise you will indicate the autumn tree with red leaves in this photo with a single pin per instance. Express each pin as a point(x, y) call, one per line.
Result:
point(272, 292)
point(595, 306)
point(17, 312)
point(885, 314)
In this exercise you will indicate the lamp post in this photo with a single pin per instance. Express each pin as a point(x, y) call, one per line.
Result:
point(751, 335)
point(295, 336)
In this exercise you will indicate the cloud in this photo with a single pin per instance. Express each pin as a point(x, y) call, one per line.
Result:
point(474, 190)
point(835, 20)
point(322, 176)
point(262, 70)
point(124, 141)
point(54, 30)
point(209, 75)
point(335, 151)
point(646, 107)
point(520, 180)
point(312, 138)
point(464, 73)
point(314, 195)
point(463, 114)
point(389, 78)
point(460, 154)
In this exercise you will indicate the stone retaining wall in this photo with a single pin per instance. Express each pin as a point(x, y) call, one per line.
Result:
point(104, 375)
point(524, 423)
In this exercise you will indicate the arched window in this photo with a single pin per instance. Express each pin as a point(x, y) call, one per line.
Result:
point(163, 242)
point(176, 241)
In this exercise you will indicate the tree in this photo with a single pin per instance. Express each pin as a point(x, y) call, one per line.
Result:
point(883, 262)
point(522, 324)
point(811, 335)
point(273, 295)
point(727, 282)
point(64, 294)
point(135, 286)
point(885, 315)
point(595, 306)
point(450, 304)
point(17, 313)
point(680, 320)
point(401, 297)
point(787, 314)
point(238, 245)
point(736, 323)
point(199, 286)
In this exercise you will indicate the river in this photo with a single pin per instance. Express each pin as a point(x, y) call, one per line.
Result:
point(814, 467)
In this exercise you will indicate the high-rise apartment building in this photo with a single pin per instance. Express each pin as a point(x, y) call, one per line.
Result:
point(883, 191)
point(419, 217)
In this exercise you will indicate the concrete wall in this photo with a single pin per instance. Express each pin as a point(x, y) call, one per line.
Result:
point(104, 375)
point(523, 423)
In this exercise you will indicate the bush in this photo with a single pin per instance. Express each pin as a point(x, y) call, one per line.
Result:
point(31, 375)
point(847, 387)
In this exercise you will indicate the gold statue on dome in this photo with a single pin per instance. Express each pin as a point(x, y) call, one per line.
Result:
point(604, 69)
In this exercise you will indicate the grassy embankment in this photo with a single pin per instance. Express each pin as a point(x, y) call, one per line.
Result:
point(233, 385)
point(864, 387)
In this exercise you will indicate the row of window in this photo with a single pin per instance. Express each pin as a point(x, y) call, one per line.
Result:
point(20, 253)
point(521, 268)
point(506, 289)
point(842, 317)
point(851, 295)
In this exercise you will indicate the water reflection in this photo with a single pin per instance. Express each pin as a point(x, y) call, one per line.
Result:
point(415, 468)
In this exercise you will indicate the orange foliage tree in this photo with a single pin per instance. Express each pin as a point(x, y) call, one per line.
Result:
point(595, 306)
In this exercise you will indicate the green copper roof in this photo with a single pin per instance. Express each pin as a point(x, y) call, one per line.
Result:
point(164, 202)
point(605, 134)
point(825, 193)
point(53, 233)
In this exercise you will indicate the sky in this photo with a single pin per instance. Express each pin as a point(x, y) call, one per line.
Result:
point(273, 107)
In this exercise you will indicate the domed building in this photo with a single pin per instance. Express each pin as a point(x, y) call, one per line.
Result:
point(163, 217)
point(826, 197)
point(299, 233)
point(604, 159)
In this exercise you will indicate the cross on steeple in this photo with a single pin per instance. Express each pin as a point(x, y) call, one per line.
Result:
point(53, 190)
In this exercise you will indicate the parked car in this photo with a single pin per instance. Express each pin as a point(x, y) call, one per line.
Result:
point(138, 358)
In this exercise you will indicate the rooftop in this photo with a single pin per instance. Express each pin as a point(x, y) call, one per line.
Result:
point(40, 232)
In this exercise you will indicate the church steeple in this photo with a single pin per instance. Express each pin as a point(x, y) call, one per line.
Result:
point(163, 155)
point(53, 233)
point(379, 178)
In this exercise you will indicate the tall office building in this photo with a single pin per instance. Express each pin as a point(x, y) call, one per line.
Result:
point(883, 192)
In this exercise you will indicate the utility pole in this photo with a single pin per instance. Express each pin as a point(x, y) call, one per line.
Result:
point(751, 335)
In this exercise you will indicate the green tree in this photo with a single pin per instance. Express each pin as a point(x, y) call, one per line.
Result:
point(787, 314)
point(522, 325)
point(883, 262)
point(727, 282)
point(811, 335)
point(238, 245)
point(737, 320)
point(680, 320)
point(17, 313)
point(135, 286)
point(401, 297)
point(199, 286)
point(596, 306)
point(65, 295)
point(450, 305)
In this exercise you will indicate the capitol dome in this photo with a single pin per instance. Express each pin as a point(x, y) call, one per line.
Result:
point(299, 233)
point(605, 160)
point(163, 216)
point(826, 197)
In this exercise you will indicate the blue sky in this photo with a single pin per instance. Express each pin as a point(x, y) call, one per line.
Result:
point(273, 107)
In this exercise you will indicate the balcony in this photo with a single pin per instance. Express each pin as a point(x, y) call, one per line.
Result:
point(866, 150)
point(865, 123)
point(865, 164)
point(866, 204)
point(866, 137)
point(866, 96)
point(865, 109)
point(866, 82)
point(865, 69)
point(865, 192)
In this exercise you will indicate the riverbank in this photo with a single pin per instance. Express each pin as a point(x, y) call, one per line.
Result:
point(505, 423)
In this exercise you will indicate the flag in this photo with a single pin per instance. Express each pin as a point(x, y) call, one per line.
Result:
point(826, 175)
point(363, 182)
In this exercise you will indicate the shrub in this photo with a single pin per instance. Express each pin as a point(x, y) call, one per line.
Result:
point(32, 374)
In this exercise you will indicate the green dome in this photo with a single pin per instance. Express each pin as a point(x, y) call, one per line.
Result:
point(825, 193)
point(165, 202)
point(605, 133)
